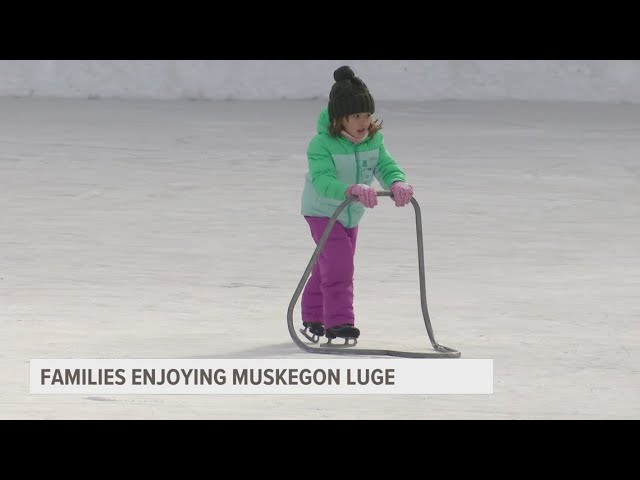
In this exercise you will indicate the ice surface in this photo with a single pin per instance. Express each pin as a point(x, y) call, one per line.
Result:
point(148, 229)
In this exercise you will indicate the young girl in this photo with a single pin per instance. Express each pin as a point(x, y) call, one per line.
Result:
point(344, 157)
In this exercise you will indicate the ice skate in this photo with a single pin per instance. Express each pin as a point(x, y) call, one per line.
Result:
point(312, 331)
point(346, 331)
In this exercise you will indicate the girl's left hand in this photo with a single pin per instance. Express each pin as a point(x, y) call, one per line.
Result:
point(402, 193)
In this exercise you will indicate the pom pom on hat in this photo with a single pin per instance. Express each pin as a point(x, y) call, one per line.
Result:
point(343, 73)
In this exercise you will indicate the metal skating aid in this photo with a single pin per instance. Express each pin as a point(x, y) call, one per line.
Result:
point(440, 351)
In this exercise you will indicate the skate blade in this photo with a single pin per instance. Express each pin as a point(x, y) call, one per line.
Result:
point(346, 343)
point(310, 337)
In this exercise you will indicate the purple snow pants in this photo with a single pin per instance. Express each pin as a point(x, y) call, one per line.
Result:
point(328, 294)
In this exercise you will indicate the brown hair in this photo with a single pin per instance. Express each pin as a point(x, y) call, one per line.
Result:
point(335, 128)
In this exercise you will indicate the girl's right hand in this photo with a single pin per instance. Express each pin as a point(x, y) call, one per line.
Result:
point(366, 195)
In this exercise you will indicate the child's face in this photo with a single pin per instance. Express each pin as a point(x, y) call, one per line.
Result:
point(357, 125)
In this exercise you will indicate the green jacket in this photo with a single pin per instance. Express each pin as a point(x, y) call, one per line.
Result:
point(335, 163)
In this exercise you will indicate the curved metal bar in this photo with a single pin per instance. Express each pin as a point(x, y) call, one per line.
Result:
point(440, 350)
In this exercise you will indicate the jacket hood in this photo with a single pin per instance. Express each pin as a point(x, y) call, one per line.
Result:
point(324, 121)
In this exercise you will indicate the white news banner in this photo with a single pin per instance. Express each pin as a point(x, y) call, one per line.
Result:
point(261, 376)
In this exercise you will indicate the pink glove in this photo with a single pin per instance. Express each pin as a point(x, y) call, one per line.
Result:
point(366, 195)
point(402, 193)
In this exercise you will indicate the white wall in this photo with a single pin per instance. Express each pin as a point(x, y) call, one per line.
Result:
point(590, 80)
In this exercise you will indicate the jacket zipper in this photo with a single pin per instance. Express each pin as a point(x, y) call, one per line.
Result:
point(355, 152)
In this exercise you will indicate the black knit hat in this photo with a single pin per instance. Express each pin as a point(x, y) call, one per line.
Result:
point(349, 95)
